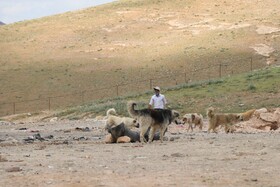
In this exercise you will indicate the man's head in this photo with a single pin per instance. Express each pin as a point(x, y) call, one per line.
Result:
point(157, 90)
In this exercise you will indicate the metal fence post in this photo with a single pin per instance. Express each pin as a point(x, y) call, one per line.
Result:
point(151, 83)
point(220, 71)
point(14, 108)
point(49, 103)
point(251, 64)
point(82, 95)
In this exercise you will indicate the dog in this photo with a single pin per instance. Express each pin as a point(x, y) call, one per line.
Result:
point(217, 119)
point(153, 118)
point(245, 116)
point(119, 131)
point(190, 119)
point(114, 120)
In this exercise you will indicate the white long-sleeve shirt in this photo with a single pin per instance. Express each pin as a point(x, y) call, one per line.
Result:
point(158, 102)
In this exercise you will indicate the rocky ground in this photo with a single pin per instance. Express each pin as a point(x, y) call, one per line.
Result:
point(73, 153)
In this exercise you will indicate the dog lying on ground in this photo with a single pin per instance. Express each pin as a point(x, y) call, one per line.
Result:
point(190, 119)
point(153, 118)
point(245, 116)
point(114, 120)
point(217, 119)
point(119, 131)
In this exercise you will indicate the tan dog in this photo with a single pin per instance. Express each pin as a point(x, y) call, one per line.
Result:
point(190, 119)
point(114, 120)
point(217, 119)
point(153, 118)
point(245, 116)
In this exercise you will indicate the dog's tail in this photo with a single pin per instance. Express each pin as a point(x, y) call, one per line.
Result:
point(130, 108)
point(111, 111)
point(210, 112)
point(201, 116)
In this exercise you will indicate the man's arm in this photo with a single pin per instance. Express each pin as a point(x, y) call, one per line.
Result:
point(164, 100)
point(151, 103)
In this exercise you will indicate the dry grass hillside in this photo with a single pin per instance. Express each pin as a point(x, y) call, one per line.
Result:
point(132, 40)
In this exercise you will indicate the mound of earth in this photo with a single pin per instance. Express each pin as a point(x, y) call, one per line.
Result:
point(263, 120)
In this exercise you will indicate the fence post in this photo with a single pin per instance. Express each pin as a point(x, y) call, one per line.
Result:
point(14, 108)
point(49, 103)
point(251, 64)
point(82, 94)
point(220, 70)
point(117, 86)
point(151, 83)
point(185, 77)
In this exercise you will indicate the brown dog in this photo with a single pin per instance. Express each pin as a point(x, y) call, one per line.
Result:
point(245, 116)
point(190, 119)
point(217, 119)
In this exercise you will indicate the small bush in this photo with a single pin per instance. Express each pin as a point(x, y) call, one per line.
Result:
point(252, 87)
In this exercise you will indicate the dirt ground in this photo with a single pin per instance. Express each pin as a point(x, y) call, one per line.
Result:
point(72, 153)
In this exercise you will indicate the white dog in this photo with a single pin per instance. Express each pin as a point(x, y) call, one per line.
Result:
point(114, 120)
point(196, 119)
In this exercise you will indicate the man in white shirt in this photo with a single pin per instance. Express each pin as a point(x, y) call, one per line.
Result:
point(158, 100)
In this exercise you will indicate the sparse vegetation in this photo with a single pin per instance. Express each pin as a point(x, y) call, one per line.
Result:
point(224, 94)
point(252, 87)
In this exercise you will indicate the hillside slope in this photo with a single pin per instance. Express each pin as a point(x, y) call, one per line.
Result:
point(130, 40)
point(237, 94)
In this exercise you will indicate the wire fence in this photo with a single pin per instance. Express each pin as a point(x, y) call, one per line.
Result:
point(138, 86)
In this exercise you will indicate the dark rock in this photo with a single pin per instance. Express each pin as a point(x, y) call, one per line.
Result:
point(14, 169)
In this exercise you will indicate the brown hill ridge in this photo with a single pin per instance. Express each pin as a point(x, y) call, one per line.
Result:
point(132, 40)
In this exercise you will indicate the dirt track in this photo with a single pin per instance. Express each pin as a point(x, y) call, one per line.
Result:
point(78, 157)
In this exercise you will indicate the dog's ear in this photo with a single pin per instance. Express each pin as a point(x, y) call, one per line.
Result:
point(193, 116)
point(240, 117)
point(136, 124)
point(106, 127)
point(175, 113)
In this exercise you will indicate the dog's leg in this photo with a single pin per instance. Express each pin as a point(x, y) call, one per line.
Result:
point(151, 134)
point(228, 128)
point(144, 129)
point(162, 131)
point(214, 128)
point(209, 128)
point(189, 127)
point(200, 126)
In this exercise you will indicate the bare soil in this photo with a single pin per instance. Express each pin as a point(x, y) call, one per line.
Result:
point(77, 156)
